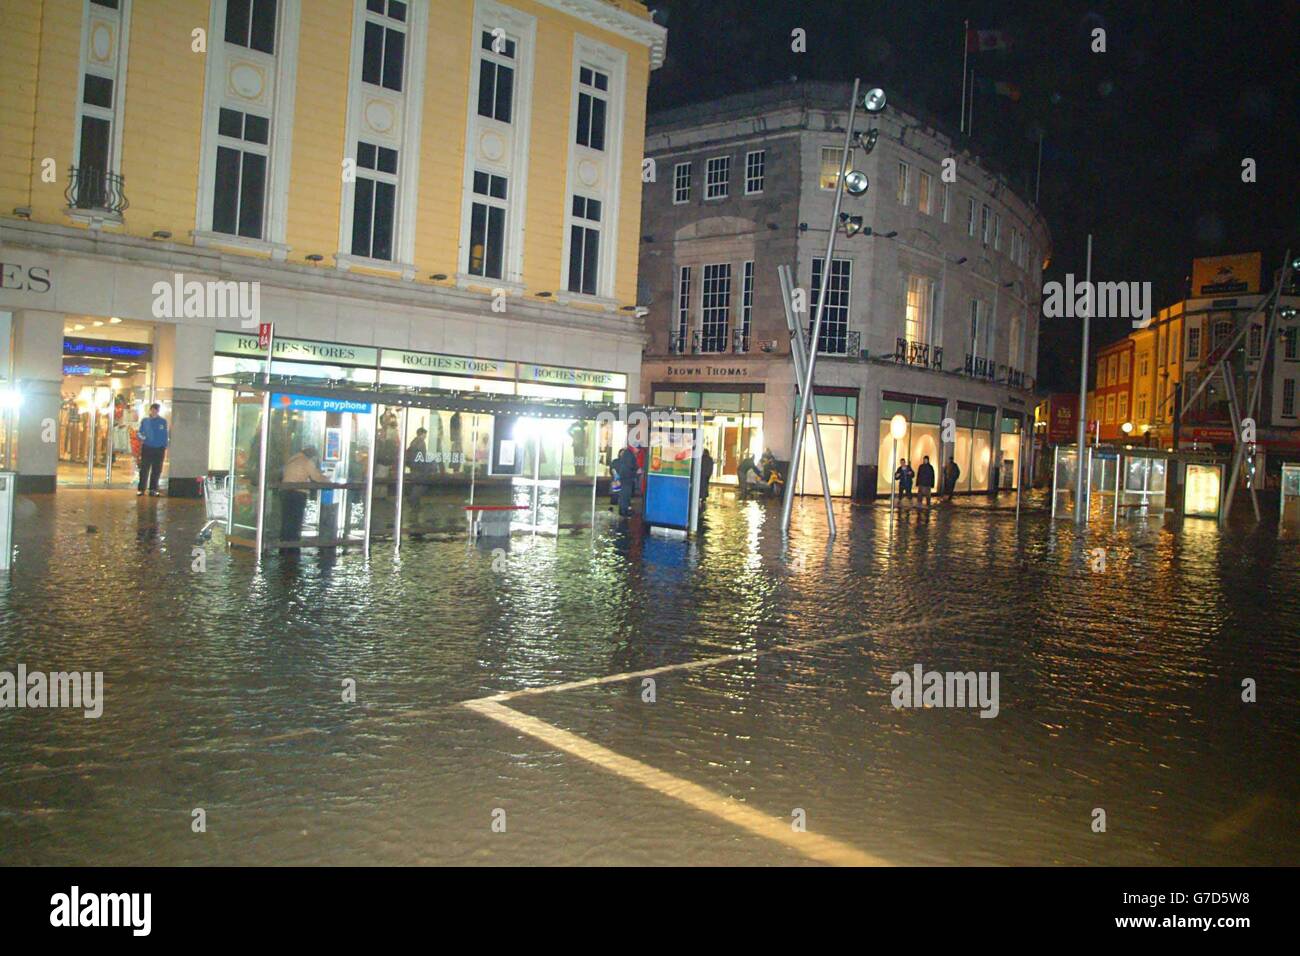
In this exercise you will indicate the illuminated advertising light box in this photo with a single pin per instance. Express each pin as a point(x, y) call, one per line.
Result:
point(670, 478)
point(1201, 497)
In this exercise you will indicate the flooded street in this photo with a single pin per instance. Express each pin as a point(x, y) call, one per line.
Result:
point(1119, 690)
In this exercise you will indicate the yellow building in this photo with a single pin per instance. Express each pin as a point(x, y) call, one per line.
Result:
point(431, 192)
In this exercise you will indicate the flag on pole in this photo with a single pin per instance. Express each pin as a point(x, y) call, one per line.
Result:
point(982, 41)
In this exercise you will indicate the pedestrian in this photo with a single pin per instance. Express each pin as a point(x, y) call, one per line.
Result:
point(417, 459)
point(301, 469)
point(747, 468)
point(904, 475)
point(153, 447)
point(951, 472)
point(706, 473)
point(924, 481)
point(625, 468)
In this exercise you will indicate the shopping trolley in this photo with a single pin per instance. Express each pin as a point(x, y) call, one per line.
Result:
point(216, 503)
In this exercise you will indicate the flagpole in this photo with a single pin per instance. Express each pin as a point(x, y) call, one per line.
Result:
point(1038, 178)
point(970, 124)
point(965, 56)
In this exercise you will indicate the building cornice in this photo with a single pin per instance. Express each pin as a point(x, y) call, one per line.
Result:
point(295, 278)
point(605, 15)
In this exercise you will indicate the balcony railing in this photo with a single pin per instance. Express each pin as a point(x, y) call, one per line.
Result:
point(920, 354)
point(95, 190)
point(740, 341)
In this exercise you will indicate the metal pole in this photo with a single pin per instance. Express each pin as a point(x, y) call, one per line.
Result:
point(965, 56)
point(799, 353)
point(401, 478)
point(1080, 512)
point(1038, 177)
point(805, 396)
point(261, 472)
point(370, 477)
point(593, 452)
point(1239, 447)
point(970, 123)
point(893, 472)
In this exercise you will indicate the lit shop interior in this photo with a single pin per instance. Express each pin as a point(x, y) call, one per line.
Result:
point(1128, 482)
point(736, 429)
point(107, 387)
point(399, 451)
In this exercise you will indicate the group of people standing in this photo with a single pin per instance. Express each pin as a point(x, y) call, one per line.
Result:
point(924, 477)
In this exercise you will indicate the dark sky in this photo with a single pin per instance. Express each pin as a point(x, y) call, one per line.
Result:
point(1143, 145)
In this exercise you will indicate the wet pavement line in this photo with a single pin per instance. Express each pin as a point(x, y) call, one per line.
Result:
point(816, 847)
point(732, 658)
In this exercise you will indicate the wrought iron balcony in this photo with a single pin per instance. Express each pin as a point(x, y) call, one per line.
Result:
point(921, 354)
point(677, 343)
point(980, 368)
point(95, 190)
point(740, 341)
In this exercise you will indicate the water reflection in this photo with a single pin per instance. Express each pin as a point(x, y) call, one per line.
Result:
point(1120, 689)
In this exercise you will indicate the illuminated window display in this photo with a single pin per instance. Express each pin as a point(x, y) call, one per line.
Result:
point(1012, 429)
point(924, 424)
point(837, 416)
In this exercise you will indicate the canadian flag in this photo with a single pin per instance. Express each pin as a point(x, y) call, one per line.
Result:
point(981, 41)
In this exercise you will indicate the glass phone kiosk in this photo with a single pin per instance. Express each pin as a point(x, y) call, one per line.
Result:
point(317, 460)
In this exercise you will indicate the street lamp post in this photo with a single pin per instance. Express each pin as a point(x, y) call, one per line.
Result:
point(897, 429)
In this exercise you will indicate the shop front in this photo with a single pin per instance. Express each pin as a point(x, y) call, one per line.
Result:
point(924, 417)
point(1011, 448)
point(837, 420)
point(318, 464)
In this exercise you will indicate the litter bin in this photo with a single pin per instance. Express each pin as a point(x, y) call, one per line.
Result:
point(7, 479)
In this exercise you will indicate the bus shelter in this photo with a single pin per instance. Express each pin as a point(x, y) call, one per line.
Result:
point(1100, 485)
point(1288, 519)
point(1143, 482)
point(317, 463)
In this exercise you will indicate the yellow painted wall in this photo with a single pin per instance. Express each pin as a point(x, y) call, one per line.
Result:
point(320, 116)
point(19, 54)
point(162, 122)
point(161, 130)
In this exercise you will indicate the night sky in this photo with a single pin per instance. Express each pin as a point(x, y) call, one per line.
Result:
point(1143, 145)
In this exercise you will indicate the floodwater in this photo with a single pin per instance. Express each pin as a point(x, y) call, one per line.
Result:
point(1119, 690)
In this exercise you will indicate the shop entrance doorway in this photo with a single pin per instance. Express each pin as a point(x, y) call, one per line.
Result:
point(107, 389)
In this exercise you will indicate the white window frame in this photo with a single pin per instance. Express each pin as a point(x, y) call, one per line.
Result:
point(925, 192)
point(723, 183)
point(682, 328)
point(682, 175)
point(746, 304)
point(612, 62)
point(722, 279)
point(943, 200)
point(490, 202)
point(513, 164)
point(846, 307)
point(970, 216)
point(903, 188)
point(927, 306)
point(283, 65)
point(1288, 382)
point(838, 153)
point(997, 232)
point(754, 182)
point(407, 144)
point(117, 75)
point(985, 214)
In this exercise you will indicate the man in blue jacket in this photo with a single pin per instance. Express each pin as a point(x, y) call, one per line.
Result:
point(153, 446)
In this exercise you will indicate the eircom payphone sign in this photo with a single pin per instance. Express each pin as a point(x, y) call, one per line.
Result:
point(318, 403)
